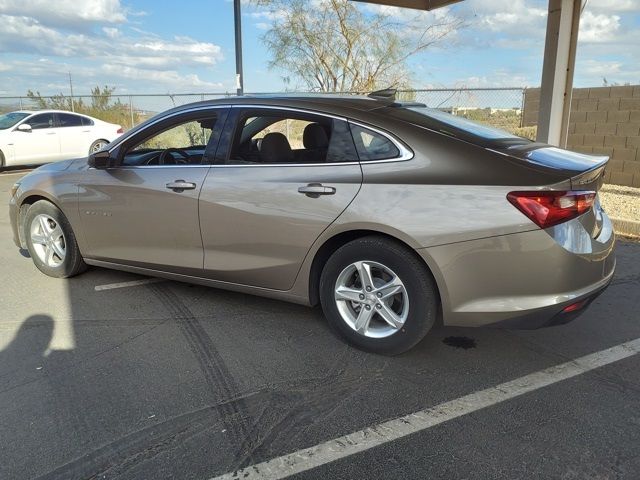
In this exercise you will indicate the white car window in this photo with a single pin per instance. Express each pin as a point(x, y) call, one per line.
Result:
point(43, 120)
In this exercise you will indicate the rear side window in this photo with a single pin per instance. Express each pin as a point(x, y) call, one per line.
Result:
point(373, 145)
point(69, 120)
point(86, 122)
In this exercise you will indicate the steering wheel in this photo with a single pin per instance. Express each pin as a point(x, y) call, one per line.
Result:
point(164, 156)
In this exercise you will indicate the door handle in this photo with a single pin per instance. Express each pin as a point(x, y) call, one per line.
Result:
point(180, 186)
point(314, 190)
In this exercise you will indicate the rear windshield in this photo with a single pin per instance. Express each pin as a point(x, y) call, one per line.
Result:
point(8, 120)
point(456, 126)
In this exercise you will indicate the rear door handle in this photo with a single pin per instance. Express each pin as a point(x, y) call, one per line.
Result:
point(314, 190)
point(180, 186)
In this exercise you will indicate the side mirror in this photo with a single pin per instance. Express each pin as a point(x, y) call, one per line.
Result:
point(100, 160)
point(24, 127)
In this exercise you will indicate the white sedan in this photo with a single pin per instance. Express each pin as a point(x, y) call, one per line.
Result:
point(30, 138)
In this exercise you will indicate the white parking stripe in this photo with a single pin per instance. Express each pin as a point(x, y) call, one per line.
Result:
point(375, 436)
point(133, 283)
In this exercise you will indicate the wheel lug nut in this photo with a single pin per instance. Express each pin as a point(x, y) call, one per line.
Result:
point(367, 307)
point(368, 289)
point(379, 294)
point(378, 306)
point(362, 296)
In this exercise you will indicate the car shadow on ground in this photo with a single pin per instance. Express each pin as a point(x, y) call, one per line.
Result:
point(175, 380)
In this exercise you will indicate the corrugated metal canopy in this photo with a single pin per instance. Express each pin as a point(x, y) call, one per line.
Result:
point(416, 4)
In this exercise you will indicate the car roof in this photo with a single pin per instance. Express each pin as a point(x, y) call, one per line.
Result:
point(324, 102)
point(31, 112)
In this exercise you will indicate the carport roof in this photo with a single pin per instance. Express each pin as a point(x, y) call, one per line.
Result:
point(416, 4)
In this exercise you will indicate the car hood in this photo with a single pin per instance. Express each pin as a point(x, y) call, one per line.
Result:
point(55, 166)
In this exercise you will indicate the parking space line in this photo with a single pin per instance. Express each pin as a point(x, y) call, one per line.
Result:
point(133, 283)
point(398, 428)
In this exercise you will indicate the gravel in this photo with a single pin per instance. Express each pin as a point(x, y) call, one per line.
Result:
point(621, 202)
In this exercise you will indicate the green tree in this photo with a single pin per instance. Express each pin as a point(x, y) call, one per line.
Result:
point(335, 45)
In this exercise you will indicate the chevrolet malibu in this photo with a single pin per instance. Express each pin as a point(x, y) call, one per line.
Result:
point(32, 138)
point(390, 215)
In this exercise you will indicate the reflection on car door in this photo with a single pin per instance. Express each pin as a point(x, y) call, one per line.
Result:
point(138, 214)
point(257, 222)
point(40, 145)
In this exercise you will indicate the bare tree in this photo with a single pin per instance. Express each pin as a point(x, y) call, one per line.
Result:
point(337, 45)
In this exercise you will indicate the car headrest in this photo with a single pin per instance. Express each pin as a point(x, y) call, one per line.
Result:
point(315, 136)
point(275, 148)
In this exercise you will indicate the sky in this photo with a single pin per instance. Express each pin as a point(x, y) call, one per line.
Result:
point(144, 46)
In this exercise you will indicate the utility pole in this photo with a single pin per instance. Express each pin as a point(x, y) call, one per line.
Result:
point(71, 88)
point(238, 31)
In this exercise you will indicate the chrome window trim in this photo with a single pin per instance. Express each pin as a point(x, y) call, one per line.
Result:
point(405, 152)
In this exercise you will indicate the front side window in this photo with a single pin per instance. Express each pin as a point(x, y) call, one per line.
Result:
point(69, 120)
point(41, 121)
point(373, 145)
point(280, 137)
point(180, 144)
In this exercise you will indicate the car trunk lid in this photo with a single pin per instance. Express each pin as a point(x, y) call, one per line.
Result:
point(583, 173)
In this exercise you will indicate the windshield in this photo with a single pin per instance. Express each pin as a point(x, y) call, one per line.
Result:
point(8, 120)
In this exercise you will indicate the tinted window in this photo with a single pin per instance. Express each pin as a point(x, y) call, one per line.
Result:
point(273, 137)
point(8, 120)
point(43, 120)
point(86, 122)
point(455, 126)
point(373, 145)
point(69, 120)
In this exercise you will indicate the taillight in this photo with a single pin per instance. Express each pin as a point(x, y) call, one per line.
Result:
point(548, 208)
point(120, 131)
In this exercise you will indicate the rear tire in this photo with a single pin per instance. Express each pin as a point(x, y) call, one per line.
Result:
point(51, 241)
point(97, 146)
point(392, 309)
point(1, 160)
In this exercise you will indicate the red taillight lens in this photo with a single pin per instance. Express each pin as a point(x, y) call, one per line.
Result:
point(120, 131)
point(548, 208)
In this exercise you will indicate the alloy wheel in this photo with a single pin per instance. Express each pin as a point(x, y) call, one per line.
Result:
point(371, 299)
point(48, 240)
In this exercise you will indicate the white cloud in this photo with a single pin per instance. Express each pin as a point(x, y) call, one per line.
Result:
point(598, 27)
point(66, 13)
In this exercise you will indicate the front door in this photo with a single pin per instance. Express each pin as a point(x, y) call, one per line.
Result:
point(40, 145)
point(277, 184)
point(144, 211)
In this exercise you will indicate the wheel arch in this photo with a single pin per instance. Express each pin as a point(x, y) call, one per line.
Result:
point(25, 203)
point(333, 243)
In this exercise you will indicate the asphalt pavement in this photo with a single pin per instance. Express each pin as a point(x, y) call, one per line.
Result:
point(167, 380)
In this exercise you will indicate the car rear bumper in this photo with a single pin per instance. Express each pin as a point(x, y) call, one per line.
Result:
point(523, 280)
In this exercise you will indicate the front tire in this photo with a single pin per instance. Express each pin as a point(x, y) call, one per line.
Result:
point(378, 295)
point(51, 242)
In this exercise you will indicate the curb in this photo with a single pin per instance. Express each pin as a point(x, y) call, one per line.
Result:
point(627, 228)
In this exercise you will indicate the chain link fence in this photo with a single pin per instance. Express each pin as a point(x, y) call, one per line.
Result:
point(499, 107)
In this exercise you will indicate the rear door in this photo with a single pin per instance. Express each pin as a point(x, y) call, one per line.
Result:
point(280, 178)
point(74, 137)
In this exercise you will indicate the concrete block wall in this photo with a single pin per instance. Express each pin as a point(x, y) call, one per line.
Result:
point(603, 121)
